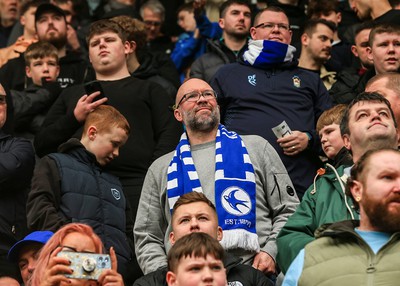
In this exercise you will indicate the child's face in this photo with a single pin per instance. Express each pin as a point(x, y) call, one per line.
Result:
point(105, 146)
point(186, 21)
point(198, 271)
point(46, 68)
point(331, 140)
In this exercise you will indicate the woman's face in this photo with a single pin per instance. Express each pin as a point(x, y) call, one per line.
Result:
point(80, 243)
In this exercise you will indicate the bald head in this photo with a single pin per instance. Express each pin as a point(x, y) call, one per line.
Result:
point(196, 106)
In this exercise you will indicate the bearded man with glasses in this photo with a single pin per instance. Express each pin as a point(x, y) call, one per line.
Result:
point(242, 175)
point(267, 92)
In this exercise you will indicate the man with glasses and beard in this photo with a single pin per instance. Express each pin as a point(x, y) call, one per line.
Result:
point(358, 252)
point(242, 175)
point(51, 26)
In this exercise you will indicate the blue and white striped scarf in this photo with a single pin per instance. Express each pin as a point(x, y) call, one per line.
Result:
point(235, 187)
point(266, 54)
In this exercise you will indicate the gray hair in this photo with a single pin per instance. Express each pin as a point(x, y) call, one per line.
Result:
point(155, 6)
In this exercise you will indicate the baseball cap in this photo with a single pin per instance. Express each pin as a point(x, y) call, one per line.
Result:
point(34, 237)
point(47, 7)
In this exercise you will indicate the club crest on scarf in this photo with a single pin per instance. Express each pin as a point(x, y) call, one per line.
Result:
point(236, 201)
point(235, 187)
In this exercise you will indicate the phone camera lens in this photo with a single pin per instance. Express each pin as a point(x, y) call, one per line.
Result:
point(89, 264)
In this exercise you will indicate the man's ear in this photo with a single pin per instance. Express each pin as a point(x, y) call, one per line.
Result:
point(220, 233)
point(357, 190)
point(127, 48)
point(339, 17)
point(346, 141)
point(221, 23)
point(354, 50)
point(178, 115)
point(171, 278)
point(172, 238)
point(304, 39)
point(253, 33)
point(132, 45)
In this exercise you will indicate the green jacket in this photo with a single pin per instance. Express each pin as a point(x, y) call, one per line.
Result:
point(323, 202)
point(341, 257)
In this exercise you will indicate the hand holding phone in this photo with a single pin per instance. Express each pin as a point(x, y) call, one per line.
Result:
point(86, 265)
point(93, 86)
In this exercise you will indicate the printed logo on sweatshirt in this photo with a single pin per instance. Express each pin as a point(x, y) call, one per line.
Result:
point(252, 79)
point(235, 283)
point(296, 81)
point(116, 194)
point(65, 82)
point(236, 201)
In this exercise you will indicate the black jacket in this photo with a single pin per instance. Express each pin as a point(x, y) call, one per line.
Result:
point(349, 84)
point(148, 71)
point(17, 160)
point(216, 56)
point(31, 106)
point(237, 274)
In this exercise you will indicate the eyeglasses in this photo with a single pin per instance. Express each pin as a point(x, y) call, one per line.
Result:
point(269, 26)
point(2, 99)
point(194, 96)
point(152, 23)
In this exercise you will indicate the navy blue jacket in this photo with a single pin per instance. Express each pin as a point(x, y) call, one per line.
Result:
point(254, 100)
point(80, 192)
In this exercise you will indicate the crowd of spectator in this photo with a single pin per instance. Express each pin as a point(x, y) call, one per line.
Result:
point(271, 126)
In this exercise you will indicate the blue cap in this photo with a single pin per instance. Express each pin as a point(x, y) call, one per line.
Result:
point(34, 237)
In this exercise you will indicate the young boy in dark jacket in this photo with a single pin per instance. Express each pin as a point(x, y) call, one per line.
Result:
point(71, 186)
point(31, 104)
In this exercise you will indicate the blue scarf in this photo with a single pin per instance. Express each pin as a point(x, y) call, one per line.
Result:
point(266, 54)
point(235, 187)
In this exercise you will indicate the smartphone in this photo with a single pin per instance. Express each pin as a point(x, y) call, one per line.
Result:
point(86, 265)
point(93, 86)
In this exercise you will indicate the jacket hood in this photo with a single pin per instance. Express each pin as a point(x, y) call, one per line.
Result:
point(148, 66)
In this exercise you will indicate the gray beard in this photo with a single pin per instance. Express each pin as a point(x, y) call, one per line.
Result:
point(201, 125)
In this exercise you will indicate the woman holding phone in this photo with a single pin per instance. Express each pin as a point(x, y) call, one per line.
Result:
point(51, 270)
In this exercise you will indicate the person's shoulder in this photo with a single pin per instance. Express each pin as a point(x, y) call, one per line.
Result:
point(137, 82)
point(242, 274)
point(155, 278)
point(231, 67)
point(254, 141)
point(307, 73)
point(21, 146)
point(163, 161)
